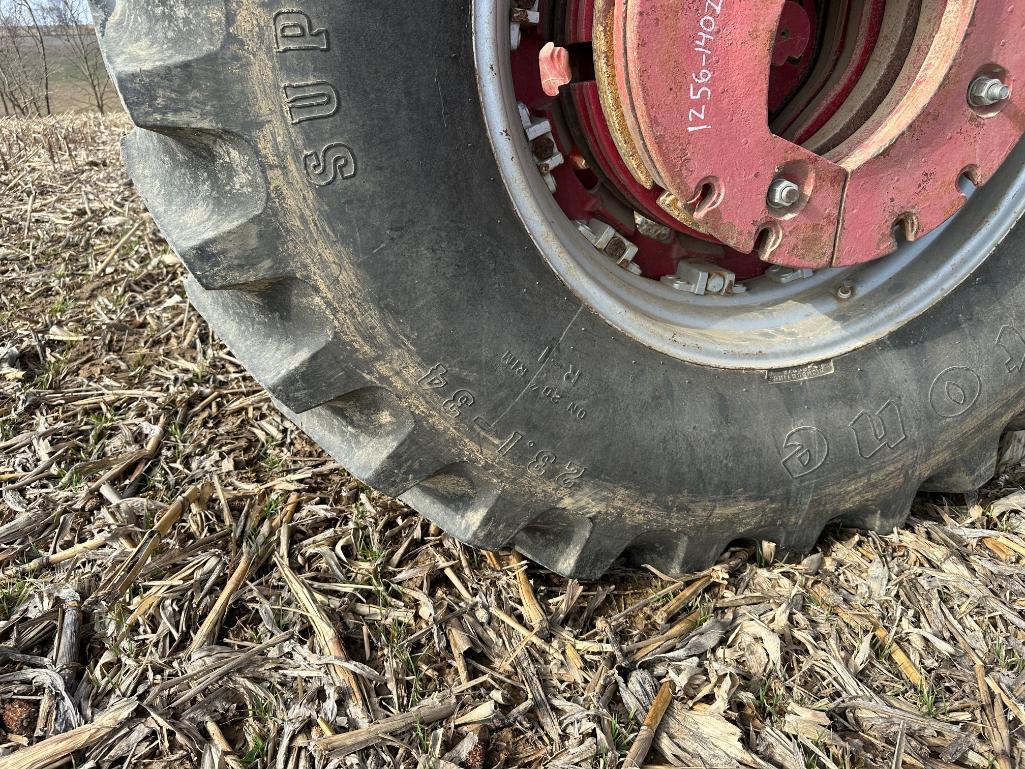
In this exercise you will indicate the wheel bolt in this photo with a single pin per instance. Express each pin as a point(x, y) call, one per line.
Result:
point(616, 249)
point(987, 91)
point(783, 193)
point(716, 284)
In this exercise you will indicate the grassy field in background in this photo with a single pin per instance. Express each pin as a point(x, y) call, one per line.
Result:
point(69, 91)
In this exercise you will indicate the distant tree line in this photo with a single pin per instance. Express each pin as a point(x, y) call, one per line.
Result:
point(43, 42)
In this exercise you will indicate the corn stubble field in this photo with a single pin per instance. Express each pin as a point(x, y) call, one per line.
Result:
point(186, 580)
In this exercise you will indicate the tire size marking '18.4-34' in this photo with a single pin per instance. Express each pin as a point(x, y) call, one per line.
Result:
point(295, 34)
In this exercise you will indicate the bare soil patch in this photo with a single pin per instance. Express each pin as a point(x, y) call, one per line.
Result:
point(186, 580)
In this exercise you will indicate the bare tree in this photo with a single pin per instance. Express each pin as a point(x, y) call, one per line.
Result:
point(16, 78)
point(69, 22)
point(24, 62)
point(36, 33)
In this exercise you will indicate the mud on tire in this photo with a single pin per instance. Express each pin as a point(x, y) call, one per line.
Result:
point(339, 207)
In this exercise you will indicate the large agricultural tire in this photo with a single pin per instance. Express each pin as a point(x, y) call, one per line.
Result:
point(371, 271)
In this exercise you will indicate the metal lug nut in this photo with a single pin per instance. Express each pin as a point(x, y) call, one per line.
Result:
point(701, 278)
point(783, 193)
point(987, 91)
point(526, 17)
point(605, 238)
point(542, 142)
point(523, 15)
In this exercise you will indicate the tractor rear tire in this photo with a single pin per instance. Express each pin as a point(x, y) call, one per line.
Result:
point(368, 267)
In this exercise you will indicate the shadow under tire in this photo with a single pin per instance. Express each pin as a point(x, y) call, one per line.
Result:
point(340, 209)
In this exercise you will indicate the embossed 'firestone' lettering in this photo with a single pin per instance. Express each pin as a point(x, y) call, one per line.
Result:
point(1011, 341)
point(804, 451)
point(874, 431)
point(294, 31)
point(955, 391)
point(310, 101)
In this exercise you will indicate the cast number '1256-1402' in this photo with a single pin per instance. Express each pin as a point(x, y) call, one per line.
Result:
point(700, 80)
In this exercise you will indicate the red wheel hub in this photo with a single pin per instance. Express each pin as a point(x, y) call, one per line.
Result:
point(693, 112)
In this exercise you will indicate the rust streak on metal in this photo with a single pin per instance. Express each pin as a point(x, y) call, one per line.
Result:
point(604, 74)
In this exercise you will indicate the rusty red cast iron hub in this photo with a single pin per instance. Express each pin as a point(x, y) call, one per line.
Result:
point(794, 132)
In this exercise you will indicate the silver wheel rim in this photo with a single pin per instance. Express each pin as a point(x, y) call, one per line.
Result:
point(770, 326)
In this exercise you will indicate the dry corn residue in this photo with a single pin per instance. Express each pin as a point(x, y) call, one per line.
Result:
point(187, 580)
